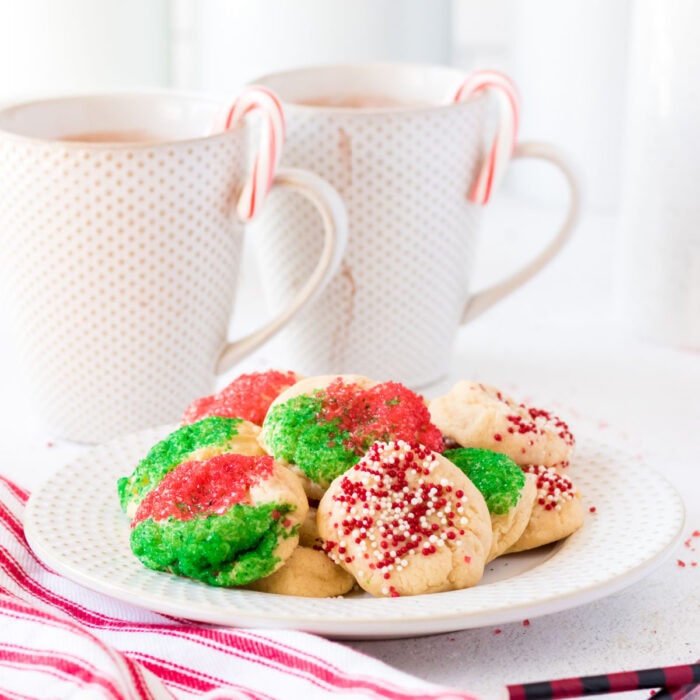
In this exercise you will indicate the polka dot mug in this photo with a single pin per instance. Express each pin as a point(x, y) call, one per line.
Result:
point(120, 253)
point(410, 149)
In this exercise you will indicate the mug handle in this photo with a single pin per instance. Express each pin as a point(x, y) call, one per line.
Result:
point(335, 227)
point(479, 302)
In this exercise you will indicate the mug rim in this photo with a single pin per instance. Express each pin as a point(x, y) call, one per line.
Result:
point(371, 68)
point(106, 95)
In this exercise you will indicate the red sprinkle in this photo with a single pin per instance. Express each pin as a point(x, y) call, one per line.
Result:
point(681, 563)
point(592, 509)
point(389, 508)
point(497, 631)
point(552, 488)
point(209, 487)
point(536, 421)
point(526, 623)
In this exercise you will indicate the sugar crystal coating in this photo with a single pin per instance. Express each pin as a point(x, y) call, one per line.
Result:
point(231, 549)
point(213, 433)
point(327, 432)
point(203, 520)
point(197, 489)
point(248, 396)
point(498, 477)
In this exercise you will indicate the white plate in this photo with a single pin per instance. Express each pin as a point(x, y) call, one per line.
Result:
point(74, 524)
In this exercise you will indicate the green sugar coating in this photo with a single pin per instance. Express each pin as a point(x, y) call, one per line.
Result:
point(165, 455)
point(231, 549)
point(497, 476)
point(295, 435)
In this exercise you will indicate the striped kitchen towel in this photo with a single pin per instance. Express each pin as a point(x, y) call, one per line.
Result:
point(60, 640)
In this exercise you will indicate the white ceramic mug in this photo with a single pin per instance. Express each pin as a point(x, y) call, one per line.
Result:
point(120, 254)
point(404, 168)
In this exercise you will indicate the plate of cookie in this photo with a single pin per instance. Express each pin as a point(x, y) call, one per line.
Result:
point(355, 509)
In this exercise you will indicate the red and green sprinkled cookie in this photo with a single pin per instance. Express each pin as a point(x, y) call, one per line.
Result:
point(323, 425)
point(406, 521)
point(248, 396)
point(508, 493)
point(472, 414)
point(227, 521)
point(203, 439)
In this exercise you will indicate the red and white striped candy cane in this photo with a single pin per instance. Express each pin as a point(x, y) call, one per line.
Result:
point(272, 133)
point(506, 134)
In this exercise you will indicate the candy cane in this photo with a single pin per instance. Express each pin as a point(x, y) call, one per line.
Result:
point(272, 133)
point(502, 148)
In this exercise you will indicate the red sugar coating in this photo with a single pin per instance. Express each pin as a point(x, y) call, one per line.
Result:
point(386, 411)
point(196, 489)
point(552, 488)
point(396, 512)
point(248, 396)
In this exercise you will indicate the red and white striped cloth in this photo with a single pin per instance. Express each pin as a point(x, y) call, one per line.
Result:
point(60, 640)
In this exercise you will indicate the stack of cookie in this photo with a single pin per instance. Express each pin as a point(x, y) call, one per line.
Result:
point(316, 486)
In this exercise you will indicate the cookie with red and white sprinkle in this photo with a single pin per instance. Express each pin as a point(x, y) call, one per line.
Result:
point(248, 397)
point(472, 414)
point(322, 426)
point(557, 512)
point(405, 521)
point(227, 520)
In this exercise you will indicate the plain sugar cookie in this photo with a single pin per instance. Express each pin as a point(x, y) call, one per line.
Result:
point(309, 573)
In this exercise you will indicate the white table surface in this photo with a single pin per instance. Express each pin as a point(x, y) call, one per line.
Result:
point(559, 344)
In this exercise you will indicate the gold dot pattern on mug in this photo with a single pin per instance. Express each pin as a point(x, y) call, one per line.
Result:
point(404, 177)
point(120, 264)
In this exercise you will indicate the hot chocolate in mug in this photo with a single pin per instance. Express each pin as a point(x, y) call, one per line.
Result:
point(121, 243)
point(408, 149)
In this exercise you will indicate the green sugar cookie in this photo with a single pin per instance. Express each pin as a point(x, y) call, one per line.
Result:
point(227, 521)
point(499, 479)
point(199, 440)
point(322, 426)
